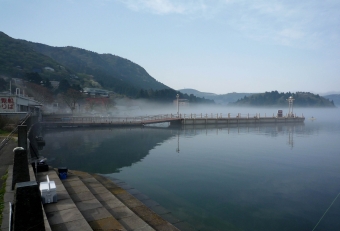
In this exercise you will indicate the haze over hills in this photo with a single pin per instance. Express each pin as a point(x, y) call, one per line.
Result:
point(334, 97)
point(89, 69)
point(274, 98)
point(218, 98)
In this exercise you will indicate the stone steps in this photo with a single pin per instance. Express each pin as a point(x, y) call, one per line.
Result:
point(93, 202)
point(98, 217)
point(138, 207)
point(63, 215)
point(127, 218)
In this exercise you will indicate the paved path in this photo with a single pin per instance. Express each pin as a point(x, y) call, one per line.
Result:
point(6, 156)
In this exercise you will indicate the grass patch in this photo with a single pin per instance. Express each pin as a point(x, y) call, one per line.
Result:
point(3, 132)
point(2, 193)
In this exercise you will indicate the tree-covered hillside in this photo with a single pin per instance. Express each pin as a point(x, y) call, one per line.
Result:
point(106, 68)
point(17, 59)
point(168, 95)
point(274, 98)
point(79, 66)
point(76, 68)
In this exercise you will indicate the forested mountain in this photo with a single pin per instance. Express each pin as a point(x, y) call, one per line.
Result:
point(103, 67)
point(16, 59)
point(79, 66)
point(167, 95)
point(274, 98)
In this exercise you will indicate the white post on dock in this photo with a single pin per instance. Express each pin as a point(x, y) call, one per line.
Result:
point(290, 106)
point(177, 96)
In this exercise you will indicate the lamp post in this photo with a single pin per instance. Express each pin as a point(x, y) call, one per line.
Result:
point(290, 106)
point(177, 96)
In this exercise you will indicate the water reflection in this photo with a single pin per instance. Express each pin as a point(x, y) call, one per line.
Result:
point(101, 150)
point(108, 150)
point(272, 130)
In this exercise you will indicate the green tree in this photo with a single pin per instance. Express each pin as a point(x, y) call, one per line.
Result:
point(64, 85)
point(71, 98)
point(33, 77)
point(3, 85)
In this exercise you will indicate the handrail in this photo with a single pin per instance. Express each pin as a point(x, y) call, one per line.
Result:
point(5, 141)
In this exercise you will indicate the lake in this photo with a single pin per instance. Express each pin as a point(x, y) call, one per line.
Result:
point(246, 177)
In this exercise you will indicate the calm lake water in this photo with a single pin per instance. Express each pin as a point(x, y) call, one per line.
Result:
point(246, 177)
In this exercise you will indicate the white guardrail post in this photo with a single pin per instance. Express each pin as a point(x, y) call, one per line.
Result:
point(10, 217)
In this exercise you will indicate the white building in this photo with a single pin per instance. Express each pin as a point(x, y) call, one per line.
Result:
point(18, 104)
point(49, 69)
point(96, 92)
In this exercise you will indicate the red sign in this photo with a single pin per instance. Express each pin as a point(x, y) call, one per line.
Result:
point(7, 104)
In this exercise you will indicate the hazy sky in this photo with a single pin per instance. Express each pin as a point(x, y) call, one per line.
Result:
point(218, 46)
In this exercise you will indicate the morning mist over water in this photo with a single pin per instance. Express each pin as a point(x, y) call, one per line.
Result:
point(239, 177)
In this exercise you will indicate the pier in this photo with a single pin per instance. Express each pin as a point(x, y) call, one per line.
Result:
point(173, 119)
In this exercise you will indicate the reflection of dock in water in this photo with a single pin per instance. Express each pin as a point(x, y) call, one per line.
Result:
point(272, 130)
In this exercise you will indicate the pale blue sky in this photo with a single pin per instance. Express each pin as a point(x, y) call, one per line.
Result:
point(218, 46)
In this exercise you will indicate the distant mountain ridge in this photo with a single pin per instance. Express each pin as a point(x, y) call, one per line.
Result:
point(334, 97)
point(219, 99)
point(18, 57)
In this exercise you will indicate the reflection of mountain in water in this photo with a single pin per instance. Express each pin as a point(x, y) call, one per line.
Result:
point(101, 150)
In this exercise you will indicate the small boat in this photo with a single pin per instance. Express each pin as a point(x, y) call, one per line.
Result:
point(312, 118)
